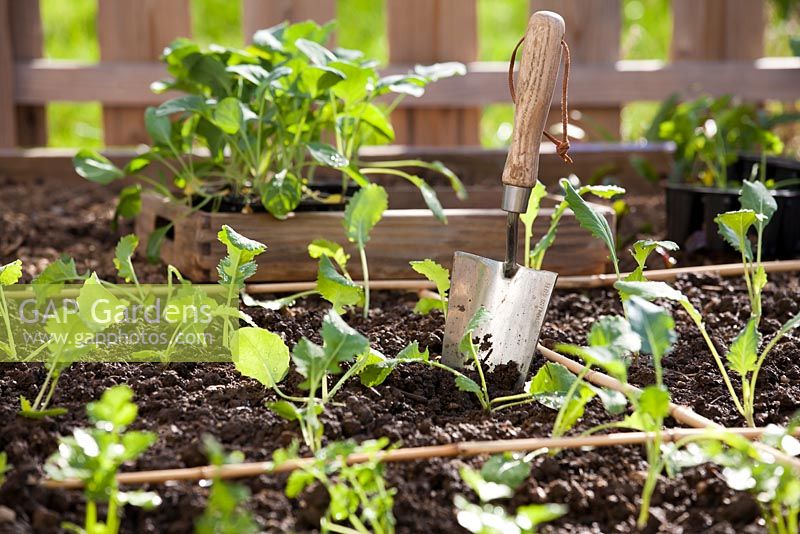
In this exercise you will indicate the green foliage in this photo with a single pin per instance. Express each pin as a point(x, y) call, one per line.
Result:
point(5, 467)
point(710, 133)
point(440, 276)
point(10, 274)
point(225, 511)
point(94, 455)
point(591, 220)
point(536, 255)
point(317, 364)
point(499, 477)
point(641, 251)
point(260, 354)
point(363, 212)
point(123, 257)
point(269, 114)
point(360, 498)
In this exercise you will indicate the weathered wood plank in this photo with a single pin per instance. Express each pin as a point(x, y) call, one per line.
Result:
point(430, 31)
point(402, 236)
point(8, 120)
point(27, 42)
point(136, 31)
point(259, 14)
point(717, 29)
point(593, 36)
point(128, 83)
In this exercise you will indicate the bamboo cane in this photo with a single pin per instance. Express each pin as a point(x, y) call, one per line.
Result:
point(682, 414)
point(564, 282)
point(450, 450)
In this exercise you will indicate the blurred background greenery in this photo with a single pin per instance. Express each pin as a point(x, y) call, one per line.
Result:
point(71, 33)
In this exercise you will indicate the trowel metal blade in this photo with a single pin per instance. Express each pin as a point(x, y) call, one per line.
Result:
point(516, 306)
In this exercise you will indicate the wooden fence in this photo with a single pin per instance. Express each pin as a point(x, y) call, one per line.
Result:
point(716, 48)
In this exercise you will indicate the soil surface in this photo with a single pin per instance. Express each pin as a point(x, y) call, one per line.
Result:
point(415, 406)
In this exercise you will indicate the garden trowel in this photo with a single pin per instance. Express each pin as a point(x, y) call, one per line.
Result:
point(515, 297)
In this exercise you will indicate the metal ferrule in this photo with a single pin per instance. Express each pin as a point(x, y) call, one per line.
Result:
point(515, 199)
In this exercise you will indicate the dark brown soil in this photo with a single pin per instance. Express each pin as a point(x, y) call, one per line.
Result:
point(416, 406)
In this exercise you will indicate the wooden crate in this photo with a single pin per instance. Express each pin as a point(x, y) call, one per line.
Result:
point(403, 235)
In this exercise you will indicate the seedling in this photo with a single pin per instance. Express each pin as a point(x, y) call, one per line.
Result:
point(649, 329)
point(746, 467)
point(574, 200)
point(94, 455)
point(362, 214)
point(742, 355)
point(441, 277)
point(499, 478)
point(5, 467)
point(360, 499)
point(225, 511)
point(9, 275)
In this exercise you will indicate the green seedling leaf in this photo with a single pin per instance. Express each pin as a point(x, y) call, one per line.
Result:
point(538, 192)
point(158, 127)
point(335, 251)
point(590, 219)
point(756, 197)
point(743, 351)
point(238, 265)
point(190, 103)
point(376, 369)
point(228, 115)
point(258, 353)
point(95, 167)
point(607, 358)
point(10, 273)
point(653, 324)
point(614, 333)
point(464, 383)
point(114, 407)
point(26, 410)
point(532, 515)
point(341, 343)
point(658, 290)
point(129, 204)
point(123, 257)
point(285, 409)
point(641, 251)
point(486, 490)
point(466, 345)
point(327, 155)
point(364, 211)
point(412, 352)
point(99, 308)
point(435, 273)
point(51, 280)
point(254, 74)
point(429, 196)
point(550, 386)
point(654, 402)
point(403, 84)
point(318, 54)
point(425, 305)
point(336, 288)
point(602, 191)
point(509, 469)
point(733, 227)
point(613, 401)
point(282, 194)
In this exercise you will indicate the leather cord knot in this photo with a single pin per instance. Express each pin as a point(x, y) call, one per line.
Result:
point(562, 145)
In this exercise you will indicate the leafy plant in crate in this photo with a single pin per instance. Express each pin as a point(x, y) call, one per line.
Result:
point(263, 117)
point(93, 456)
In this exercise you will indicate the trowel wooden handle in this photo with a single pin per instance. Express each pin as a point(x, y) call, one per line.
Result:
point(538, 71)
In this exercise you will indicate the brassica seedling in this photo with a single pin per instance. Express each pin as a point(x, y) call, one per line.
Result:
point(363, 212)
point(440, 276)
point(5, 467)
point(535, 257)
point(499, 477)
point(10, 274)
point(225, 512)
point(361, 501)
point(94, 455)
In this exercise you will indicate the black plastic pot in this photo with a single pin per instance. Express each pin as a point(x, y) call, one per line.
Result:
point(236, 204)
point(691, 211)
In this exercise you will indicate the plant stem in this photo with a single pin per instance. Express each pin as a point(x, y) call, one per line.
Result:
point(365, 271)
point(558, 431)
point(7, 321)
point(654, 469)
